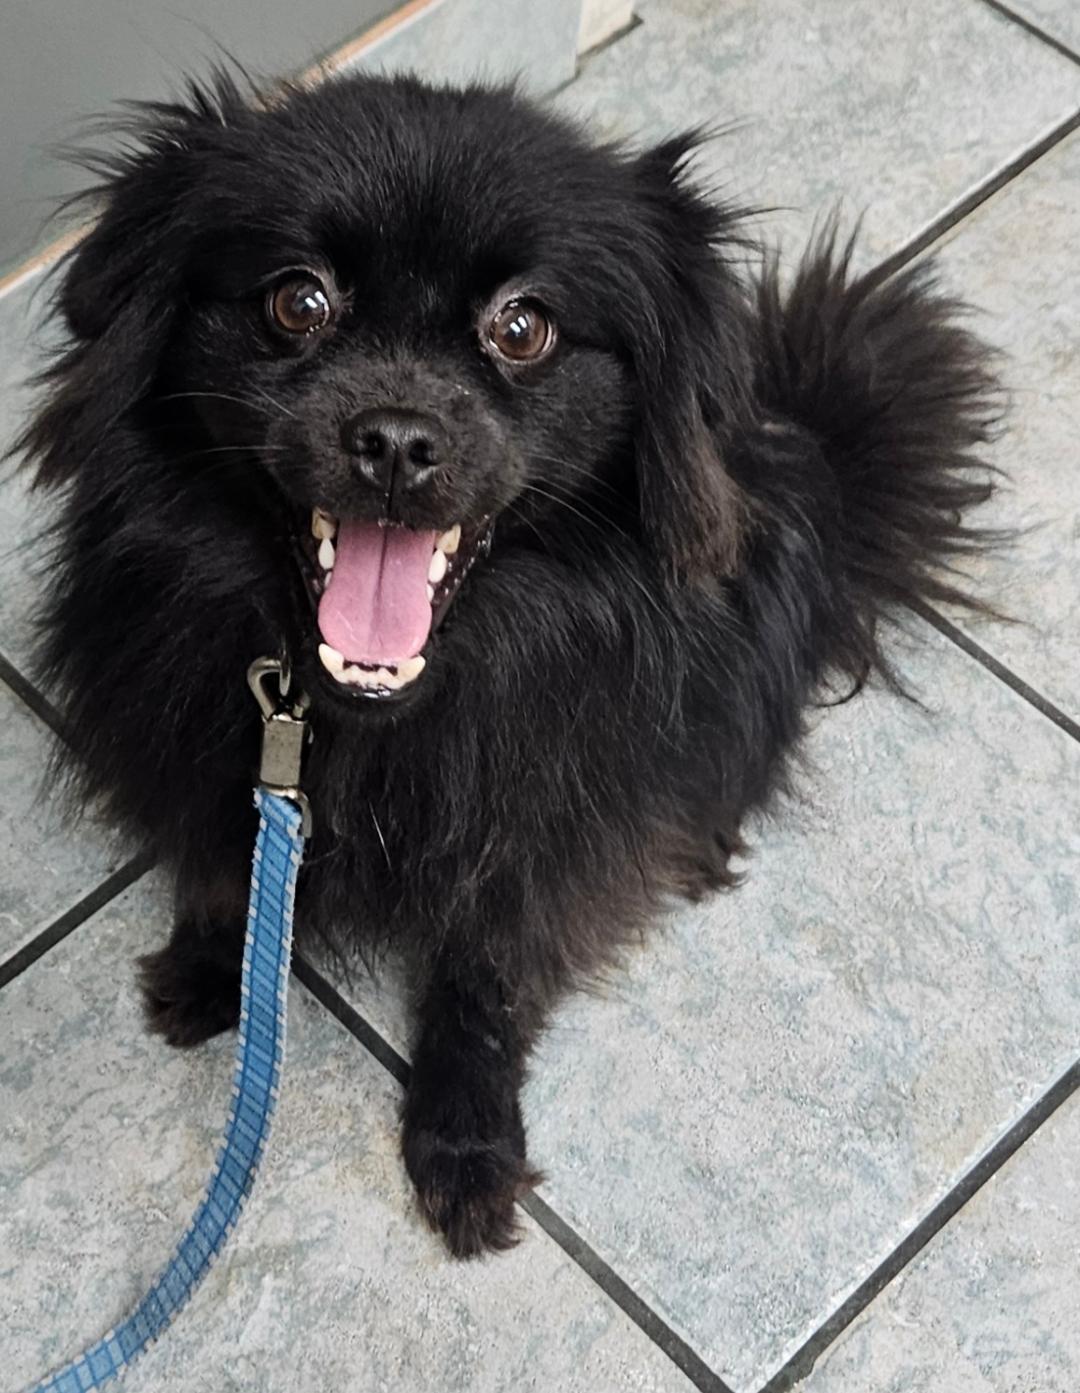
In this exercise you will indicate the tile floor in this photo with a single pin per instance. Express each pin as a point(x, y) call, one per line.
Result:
point(836, 1143)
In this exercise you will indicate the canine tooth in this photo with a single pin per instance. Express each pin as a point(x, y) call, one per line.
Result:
point(437, 569)
point(449, 541)
point(430, 593)
point(326, 554)
point(410, 669)
point(323, 526)
point(331, 659)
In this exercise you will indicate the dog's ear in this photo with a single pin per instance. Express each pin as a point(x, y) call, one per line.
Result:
point(120, 284)
point(693, 364)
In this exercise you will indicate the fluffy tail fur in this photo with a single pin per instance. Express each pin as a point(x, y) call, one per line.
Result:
point(900, 398)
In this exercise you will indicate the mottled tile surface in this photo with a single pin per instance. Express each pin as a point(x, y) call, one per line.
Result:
point(789, 1077)
point(1028, 292)
point(494, 39)
point(45, 866)
point(788, 1082)
point(895, 109)
point(329, 1283)
point(991, 1306)
point(1058, 18)
point(21, 519)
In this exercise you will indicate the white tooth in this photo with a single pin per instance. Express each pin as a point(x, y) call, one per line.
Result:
point(386, 678)
point(323, 526)
point(331, 659)
point(326, 554)
point(430, 593)
point(437, 569)
point(449, 541)
point(410, 669)
point(359, 677)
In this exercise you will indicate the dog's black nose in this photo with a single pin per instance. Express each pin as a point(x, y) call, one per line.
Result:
point(394, 449)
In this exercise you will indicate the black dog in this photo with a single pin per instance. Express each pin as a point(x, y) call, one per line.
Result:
point(562, 522)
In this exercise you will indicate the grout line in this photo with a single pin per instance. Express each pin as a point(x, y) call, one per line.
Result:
point(1056, 44)
point(979, 195)
point(79, 912)
point(394, 1063)
point(585, 57)
point(30, 696)
point(634, 22)
point(803, 1360)
point(557, 1229)
point(630, 1303)
point(1000, 671)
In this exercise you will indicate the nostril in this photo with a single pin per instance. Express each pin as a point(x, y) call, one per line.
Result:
point(394, 448)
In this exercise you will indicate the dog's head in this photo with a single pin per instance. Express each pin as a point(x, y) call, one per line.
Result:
point(402, 321)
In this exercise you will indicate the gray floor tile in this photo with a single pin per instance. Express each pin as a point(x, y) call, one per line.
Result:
point(45, 867)
point(898, 109)
point(790, 1077)
point(1015, 259)
point(1058, 18)
point(21, 518)
point(499, 39)
point(329, 1283)
point(991, 1305)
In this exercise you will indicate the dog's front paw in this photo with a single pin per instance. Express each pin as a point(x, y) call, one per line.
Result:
point(467, 1186)
point(187, 999)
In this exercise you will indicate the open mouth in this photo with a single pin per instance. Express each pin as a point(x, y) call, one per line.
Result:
point(381, 590)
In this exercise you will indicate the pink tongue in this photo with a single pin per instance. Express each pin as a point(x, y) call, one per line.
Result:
point(376, 609)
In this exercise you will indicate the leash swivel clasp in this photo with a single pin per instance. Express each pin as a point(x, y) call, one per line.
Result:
point(284, 734)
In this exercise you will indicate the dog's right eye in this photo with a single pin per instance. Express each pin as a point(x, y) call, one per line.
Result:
point(299, 305)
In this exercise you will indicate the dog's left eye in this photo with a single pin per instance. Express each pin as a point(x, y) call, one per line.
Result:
point(299, 305)
point(521, 332)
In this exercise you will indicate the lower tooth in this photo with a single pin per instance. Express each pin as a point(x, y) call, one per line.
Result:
point(371, 678)
point(410, 669)
point(360, 677)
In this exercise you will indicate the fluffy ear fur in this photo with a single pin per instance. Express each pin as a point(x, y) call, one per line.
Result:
point(693, 362)
point(121, 284)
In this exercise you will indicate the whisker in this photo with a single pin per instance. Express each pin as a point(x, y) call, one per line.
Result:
point(580, 471)
point(613, 558)
point(274, 402)
point(223, 396)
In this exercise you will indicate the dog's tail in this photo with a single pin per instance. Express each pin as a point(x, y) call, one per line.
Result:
point(900, 398)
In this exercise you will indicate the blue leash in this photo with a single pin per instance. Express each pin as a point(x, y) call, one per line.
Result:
point(260, 1050)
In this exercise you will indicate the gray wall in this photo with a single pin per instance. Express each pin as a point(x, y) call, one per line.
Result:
point(61, 60)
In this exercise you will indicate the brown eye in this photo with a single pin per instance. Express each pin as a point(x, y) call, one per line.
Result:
point(521, 332)
point(299, 305)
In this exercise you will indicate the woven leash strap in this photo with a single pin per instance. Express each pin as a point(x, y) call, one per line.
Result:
point(260, 1052)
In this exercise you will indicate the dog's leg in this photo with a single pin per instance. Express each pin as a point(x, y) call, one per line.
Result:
point(463, 1138)
point(191, 987)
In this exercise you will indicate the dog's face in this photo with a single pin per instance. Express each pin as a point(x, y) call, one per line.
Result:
point(412, 323)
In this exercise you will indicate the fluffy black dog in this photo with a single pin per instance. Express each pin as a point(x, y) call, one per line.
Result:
point(562, 521)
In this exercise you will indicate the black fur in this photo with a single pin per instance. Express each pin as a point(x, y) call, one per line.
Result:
point(706, 501)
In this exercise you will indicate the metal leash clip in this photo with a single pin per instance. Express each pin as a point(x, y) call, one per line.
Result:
point(285, 732)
